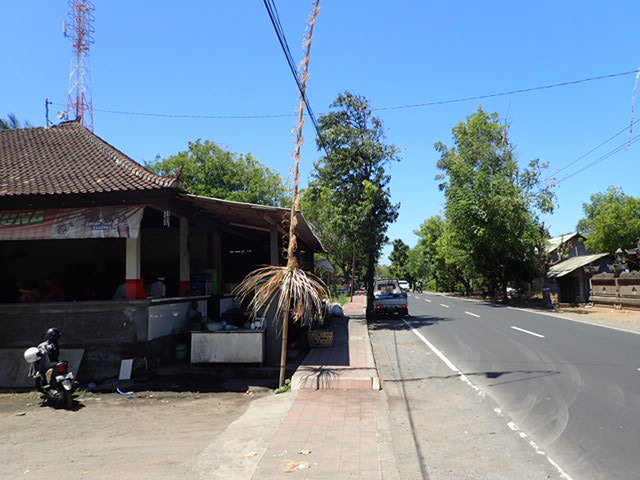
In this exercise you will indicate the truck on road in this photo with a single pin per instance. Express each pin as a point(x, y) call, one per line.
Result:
point(389, 298)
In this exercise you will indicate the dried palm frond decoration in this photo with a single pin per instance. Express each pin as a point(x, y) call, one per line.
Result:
point(295, 293)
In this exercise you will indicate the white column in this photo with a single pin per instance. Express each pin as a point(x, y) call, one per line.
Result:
point(133, 282)
point(133, 259)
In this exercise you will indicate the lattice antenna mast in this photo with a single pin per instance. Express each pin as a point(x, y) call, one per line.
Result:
point(80, 30)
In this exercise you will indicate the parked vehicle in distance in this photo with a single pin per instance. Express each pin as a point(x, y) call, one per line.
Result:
point(389, 298)
point(404, 285)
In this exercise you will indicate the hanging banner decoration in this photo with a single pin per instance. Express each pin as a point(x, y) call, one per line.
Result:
point(119, 221)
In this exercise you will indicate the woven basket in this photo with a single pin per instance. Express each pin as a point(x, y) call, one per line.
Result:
point(320, 338)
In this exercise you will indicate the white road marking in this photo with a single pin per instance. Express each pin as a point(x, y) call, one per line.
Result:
point(472, 314)
point(527, 331)
point(427, 300)
point(498, 412)
point(548, 314)
point(443, 305)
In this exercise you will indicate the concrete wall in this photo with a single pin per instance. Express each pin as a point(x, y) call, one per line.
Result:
point(108, 331)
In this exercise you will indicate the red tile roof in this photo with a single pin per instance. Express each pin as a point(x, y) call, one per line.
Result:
point(66, 159)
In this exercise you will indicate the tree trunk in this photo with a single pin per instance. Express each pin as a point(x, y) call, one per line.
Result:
point(370, 272)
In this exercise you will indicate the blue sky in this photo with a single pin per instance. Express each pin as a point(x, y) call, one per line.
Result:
point(222, 58)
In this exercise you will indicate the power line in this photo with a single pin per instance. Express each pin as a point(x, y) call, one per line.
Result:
point(551, 177)
point(511, 92)
point(607, 155)
point(397, 107)
point(272, 10)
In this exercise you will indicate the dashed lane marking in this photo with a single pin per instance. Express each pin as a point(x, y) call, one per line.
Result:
point(529, 332)
point(472, 314)
point(443, 305)
point(427, 300)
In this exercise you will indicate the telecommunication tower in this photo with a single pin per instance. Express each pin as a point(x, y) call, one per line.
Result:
point(79, 28)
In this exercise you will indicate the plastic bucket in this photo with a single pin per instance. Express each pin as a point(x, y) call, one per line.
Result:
point(181, 352)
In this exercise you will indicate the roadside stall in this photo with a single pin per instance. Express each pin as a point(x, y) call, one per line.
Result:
point(85, 232)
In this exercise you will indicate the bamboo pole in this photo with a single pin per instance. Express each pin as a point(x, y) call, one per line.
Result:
point(292, 261)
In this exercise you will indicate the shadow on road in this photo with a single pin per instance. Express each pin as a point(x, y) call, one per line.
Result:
point(397, 323)
point(492, 374)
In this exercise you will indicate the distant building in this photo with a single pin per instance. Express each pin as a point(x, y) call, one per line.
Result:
point(571, 266)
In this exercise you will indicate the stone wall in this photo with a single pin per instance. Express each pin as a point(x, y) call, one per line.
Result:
point(623, 290)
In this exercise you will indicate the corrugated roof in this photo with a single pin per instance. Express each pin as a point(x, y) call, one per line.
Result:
point(555, 242)
point(257, 217)
point(68, 159)
point(563, 268)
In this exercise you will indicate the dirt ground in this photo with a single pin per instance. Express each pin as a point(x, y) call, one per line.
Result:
point(612, 317)
point(146, 435)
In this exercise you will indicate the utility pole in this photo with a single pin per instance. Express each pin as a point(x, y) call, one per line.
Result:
point(79, 29)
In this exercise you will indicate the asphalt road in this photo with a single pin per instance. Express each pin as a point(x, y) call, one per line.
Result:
point(571, 390)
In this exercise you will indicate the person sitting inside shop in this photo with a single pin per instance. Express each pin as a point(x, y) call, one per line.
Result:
point(52, 292)
point(196, 321)
point(158, 289)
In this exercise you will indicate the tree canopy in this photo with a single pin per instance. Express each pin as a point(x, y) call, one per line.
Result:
point(399, 258)
point(351, 182)
point(492, 205)
point(612, 221)
point(208, 169)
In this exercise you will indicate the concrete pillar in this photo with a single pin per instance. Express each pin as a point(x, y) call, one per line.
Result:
point(185, 258)
point(217, 260)
point(133, 280)
point(273, 246)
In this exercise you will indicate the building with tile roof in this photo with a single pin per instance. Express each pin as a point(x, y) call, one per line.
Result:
point(78, 211)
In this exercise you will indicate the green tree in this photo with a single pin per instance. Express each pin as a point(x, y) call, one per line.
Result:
point(492, 205)
point(399, 258)
point(12, 122)
point(209, 170)
point(612, 221)
point(333, 228)
point(438, 260)
point(354, 172)
point(383, 271)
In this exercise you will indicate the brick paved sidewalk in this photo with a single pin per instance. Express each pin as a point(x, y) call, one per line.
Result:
point(334, 419)
point(337, 432)
point(349, 363)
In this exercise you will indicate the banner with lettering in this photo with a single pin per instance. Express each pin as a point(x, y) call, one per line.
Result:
point(120, 221)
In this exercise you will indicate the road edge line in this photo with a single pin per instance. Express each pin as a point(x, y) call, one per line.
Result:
point(511, 425)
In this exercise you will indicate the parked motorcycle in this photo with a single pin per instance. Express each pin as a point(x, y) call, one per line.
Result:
point(53, 378)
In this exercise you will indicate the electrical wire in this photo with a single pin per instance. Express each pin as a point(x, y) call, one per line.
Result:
point(272, 10)
point(590, 151)
point(607, 155)
point(397, 107)
point(511, 92)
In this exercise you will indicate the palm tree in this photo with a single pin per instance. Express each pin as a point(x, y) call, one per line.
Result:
point(295, 293)
point(12, 122)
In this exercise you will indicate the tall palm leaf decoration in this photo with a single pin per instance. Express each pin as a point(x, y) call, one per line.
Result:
point(295, 292)
point(12, 122)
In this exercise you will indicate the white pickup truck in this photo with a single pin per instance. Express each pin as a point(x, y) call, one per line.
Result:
point(389, 298)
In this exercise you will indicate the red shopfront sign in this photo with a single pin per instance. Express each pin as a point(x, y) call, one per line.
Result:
point(65, 223)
